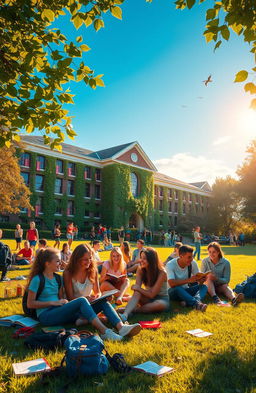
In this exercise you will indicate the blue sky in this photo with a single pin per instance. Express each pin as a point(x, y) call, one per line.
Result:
point(154, 62)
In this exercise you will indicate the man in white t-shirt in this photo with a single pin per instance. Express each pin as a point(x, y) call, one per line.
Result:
point(186, 285)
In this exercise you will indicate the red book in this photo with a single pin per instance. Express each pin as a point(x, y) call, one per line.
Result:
point(150, 324)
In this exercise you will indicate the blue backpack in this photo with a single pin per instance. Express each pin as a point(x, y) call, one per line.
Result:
point(247, 287)
point(84, 355)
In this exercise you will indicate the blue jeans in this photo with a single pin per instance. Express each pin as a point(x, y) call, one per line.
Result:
point(77, 308)
point(22, 262)
point(190, 295)
point(198, 250)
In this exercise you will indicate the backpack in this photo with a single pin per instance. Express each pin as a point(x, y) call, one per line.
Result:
point(48, 341)
point(247, 287)
point(5, 255)
point(31, 312)
point(84, 355)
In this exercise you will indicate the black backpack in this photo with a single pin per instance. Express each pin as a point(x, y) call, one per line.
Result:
point(48, 341)
point(247, 287)
point(5, 255)
point(31, 312)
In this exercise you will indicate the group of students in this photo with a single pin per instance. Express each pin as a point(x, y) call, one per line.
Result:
point(155, 286)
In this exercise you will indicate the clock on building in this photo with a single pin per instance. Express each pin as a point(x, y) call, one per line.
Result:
point(134, 157)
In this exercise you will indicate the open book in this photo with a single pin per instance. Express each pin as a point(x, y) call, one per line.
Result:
point(153, 368)
point(116, 277)
point(199, 333)
point(105, 295)
point(201, 275)
point(19, 320)
point(31, 367)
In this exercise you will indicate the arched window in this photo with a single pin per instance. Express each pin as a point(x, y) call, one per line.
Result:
point(134, 184)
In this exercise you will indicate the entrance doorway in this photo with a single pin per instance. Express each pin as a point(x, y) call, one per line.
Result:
point(136, 221)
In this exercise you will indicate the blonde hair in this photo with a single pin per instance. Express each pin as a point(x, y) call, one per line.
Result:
point(122, 263)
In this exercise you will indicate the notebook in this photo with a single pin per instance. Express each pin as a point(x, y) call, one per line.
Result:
point(150, 324)
point(199, 333)
point(19, 320)
point(53, 329)
point(31, 367)
point(153, 368)
point(105, 295)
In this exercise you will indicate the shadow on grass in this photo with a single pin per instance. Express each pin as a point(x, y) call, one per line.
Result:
point(225, 373)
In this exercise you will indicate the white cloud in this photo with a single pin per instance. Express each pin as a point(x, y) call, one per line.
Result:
point(221, 140)
point(189, 168)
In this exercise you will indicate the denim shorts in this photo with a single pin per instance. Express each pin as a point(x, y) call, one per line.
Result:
point(32, 242)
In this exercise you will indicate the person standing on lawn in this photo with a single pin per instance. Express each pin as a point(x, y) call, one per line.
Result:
point(51, 307)
point(186, 285)
point(217, 281)
point(32, 235)
point(18, 237)
point(70, 233)
point(197, 241)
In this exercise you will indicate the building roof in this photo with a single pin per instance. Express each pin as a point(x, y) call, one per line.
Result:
point(163, 177)
point(66, 148)
point(110, 152)
point(203, 185)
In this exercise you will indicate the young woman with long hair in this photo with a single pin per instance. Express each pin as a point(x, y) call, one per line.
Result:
point(51, 307)
point(113, 275)
point(126, 251)
point(152, 276)
point(217, 281)
point(81, 279)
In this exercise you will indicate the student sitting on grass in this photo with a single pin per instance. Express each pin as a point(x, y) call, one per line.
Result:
point(182, 272)
point(217, 281)
point(65, 255)
point(81, 279)
point(112, 271)
point(175, 252)
point(51, 307)
point(154, 296)
point(126, 251)
point(25, 255)
point(133, 265)
point(42, 245)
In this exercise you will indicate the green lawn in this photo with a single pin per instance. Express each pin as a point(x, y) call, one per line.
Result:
point(224, 362)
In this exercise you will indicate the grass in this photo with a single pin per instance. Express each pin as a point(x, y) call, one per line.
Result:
point(222, 363)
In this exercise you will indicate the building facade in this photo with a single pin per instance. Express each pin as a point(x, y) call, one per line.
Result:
point(115, 186)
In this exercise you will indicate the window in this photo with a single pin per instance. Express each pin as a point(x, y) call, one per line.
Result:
point(38, 207)
point(184, 208)
point(97, 191)
point(175, 221)
point(58, 208)
point(175, 207)
point(25, 176)
point(169, 193)
point(58, 186)
point(39, 183)
point(87, 172)
point(25, 160)
point(134, 184)
point(176, 195)
point(71, 169)
point(40, 163)
point(87, 193)
point(161, 205)
point(98, 174)
point(71, 208)
point(169, 206)
point(71, 187)
point(156, 190)
point(59, 167)
point(184, 196)
point(97, 214)
point(161, 191)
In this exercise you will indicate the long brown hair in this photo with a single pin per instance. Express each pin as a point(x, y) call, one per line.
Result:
point(150, 275)
point(127, 249)
point(77, 255)
point(216, 247)
point(38, 267)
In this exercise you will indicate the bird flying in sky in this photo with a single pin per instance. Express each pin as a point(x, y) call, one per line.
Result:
point(208, 80)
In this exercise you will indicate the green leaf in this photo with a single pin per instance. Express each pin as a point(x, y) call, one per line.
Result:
point(211, 13)
point(92, 83)
point(218, 45)
point(98, 24)
point(225, 32)
point(85, 48)
point(48, 15)
point(116, 12)
point(190, 3)
point(250, 87)
point(241, 76)
point(88, 21)
point(11, 90)
point(253, 104)
point(79, 39)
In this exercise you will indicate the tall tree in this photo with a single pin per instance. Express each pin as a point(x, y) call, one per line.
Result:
point(13, 192)
point(247, 183)
point(224, 205)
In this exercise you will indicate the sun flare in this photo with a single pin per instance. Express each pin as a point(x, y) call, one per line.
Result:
point(248, 123)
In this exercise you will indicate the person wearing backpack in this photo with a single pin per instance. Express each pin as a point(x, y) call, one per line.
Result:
point(217, 281)
point(81, 279)
point(51, 307)
point(5, 259)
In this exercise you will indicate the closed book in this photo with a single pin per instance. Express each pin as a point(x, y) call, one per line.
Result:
point(31, 367)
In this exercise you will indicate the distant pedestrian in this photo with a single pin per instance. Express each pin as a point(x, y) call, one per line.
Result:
point(32, 235)
point(197, 241)
point(18, 237)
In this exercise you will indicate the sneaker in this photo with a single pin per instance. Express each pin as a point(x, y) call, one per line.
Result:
point(6, 279)
point(111, 336)
point(238, 299)
point(216, 300)
point(130, 330)
point(201, 306)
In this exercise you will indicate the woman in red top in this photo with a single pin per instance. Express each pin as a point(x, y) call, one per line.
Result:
point(24, 256)
point(32, 235)
point(70, 233)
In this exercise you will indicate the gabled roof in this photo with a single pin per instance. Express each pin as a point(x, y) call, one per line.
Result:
point(163, 177)
point(66, 148)
point(110, 152)
point(203, 185)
